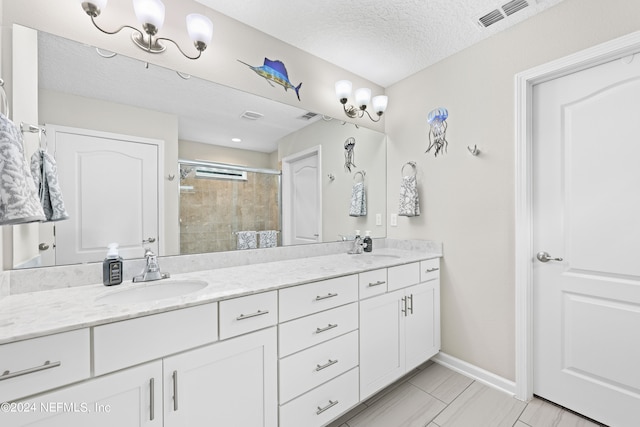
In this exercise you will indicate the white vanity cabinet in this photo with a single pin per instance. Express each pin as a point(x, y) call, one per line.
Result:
point(400, 329)
point(318, 351)
point(132, 397)
point(231, 383)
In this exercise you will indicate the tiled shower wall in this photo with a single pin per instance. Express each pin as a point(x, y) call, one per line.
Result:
point(216, 208)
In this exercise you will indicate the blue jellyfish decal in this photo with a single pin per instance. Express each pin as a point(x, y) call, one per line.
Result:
point(437, 120)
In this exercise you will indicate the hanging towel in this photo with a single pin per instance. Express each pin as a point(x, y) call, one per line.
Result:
point(246, 240)
point(18, 196)
point(45, 176)
point(409, 203)
point(358, 200)
point(267, 239)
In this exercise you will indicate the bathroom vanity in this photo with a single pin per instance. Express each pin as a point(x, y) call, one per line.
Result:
point(283, 343)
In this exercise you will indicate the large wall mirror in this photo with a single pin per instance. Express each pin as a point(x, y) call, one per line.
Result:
point(210, 186)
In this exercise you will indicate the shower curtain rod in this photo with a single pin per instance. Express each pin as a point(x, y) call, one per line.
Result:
point(227, 166)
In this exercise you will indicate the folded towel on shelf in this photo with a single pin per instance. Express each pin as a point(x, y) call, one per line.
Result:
point(358, 200)
point(19, 201)
point(246, 240)
point(409, 203)
point(45, 176)
point(267, 239)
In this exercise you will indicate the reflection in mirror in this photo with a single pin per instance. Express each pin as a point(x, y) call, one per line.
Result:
point(199, 121)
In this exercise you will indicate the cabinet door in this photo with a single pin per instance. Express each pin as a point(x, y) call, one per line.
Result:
point(382, 342)
point(231, 383)
point(422, 323)
point(130, 398)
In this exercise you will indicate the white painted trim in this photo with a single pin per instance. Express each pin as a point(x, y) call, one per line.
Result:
point(524, 82)
point(478, 374)
point(286, 191)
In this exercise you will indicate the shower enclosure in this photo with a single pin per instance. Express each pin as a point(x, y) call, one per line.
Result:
point(218, 200)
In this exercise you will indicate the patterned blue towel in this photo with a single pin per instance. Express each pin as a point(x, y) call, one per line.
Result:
point(247, 240)
point(409, 203)
point(358, 200)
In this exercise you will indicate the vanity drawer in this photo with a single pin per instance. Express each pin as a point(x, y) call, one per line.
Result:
point(402, 276)
point(127, 343)
point(307, 331)
point(322, 404)
point(316, 365)
point(246, 314)
point(429, 269)
point(298, 301)
point(372, 283)
point(44, 363)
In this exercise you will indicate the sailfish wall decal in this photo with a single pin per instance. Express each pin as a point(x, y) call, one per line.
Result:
point(275, 71)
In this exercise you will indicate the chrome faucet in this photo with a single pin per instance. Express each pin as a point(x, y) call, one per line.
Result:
point(151, 270)
point(357, 246)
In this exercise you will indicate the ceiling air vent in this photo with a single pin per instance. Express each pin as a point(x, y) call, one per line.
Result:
point(251, 115)
point(308, 116)
point(491, 18)
point(514, 6)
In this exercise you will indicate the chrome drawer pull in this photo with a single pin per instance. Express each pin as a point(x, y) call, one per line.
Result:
point(331, 404)
point(326, 328)
point(329, 295)
point(247, 316)
point(175, 390)
point(404, 306)
point(326, 365)
point(410, 298)
point(431, 270)
point(152, 398)
point(378, 283)
point(46, 365)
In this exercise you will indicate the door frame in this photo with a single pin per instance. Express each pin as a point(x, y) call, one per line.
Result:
point(286, 190)
point(524, 251)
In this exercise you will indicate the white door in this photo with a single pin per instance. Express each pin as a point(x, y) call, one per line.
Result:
point(382, 342)
point(302, 198)
point(586, 199)
point(130, 398)
point(422, 323)
point(231, 383)
point(110, 186)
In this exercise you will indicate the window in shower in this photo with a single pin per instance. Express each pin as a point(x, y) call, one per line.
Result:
point(218, 201)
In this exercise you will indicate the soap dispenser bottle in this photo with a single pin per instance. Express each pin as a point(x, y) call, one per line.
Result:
point(368, 243)
point(112, 266)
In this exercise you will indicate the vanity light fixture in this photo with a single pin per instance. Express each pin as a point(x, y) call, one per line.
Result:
point(362, 98)
point(150, 14)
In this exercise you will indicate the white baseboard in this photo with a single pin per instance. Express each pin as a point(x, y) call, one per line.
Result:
point(481, 375)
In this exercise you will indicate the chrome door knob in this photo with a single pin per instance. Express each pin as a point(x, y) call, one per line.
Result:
point(545, 257)
point(43, 246)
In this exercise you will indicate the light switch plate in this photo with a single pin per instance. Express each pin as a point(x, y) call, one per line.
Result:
point(378, 219)
point(394, 220)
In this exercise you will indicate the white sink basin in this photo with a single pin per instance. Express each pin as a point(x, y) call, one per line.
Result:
point(381, 256)
point(152, 291)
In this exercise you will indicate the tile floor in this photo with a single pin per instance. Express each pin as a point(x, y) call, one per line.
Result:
point(435, 396)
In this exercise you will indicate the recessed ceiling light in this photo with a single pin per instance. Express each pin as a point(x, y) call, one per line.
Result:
point(236, 140)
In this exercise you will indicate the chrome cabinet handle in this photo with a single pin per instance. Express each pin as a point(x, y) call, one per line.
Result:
point(152, 398)
point(326, 328)
point(431, 270)
point(329, 295)
point(404, 306)
point(545, 257)
point(331, 404)
point(378, 283)
point(326, 365)
point(175, 390)
point(410, 298)
point(149, 240)
point(43, 246)
point(6, 375)
point(248, 316)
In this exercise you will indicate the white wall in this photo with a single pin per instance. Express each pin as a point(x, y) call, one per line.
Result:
point(468, 202)
point(189, 150)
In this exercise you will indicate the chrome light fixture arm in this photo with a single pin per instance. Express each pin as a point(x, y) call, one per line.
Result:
point(199, 46)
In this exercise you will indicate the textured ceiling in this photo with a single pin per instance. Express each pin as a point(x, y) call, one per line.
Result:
point(365, 36)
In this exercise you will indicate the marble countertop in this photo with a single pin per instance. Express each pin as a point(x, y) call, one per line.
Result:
point(35, 314)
